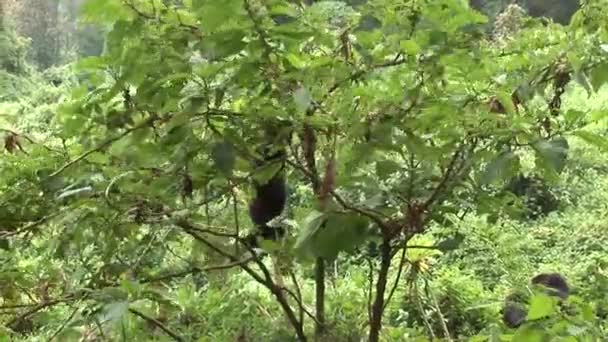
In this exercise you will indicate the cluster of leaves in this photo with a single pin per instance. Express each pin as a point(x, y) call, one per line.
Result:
point(155, 146)
point(14, 50)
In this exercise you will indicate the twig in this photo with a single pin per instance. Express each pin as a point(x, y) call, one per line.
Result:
point(360, 73)
point(265, 280)
point(372, 214)
point(397, 278)
point(294, 279)
point(67, 320)
point(36, 308)
point(107, 143)
point(157, 323)
point(446, 178)
point(235, 213)
point(300, 305)
point(370, 279)
point(446, 331)
point(194, 270)
point(27, 227)
point(414, 288)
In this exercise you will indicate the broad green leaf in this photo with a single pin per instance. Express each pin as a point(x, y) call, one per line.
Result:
point(113, 295)
point(4, 244)
point(224, 157)
point(552, 153)
point(573, 116)
point(593, 139)
point(599, 76)
point(340, 233)
point(541, 306)
point(326, 235)
point(177, 135)
point(500, 168)
point(598, 115)
point(98, 157)
point(311, 224)
point(582, 79)
point(528, 334)
point(410, 47)
point(223, 44)
point(385, 168)
point(103, 10)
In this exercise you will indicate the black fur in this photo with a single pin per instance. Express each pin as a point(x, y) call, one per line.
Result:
point(515, 312)
point(554, 282)
point(268, 203)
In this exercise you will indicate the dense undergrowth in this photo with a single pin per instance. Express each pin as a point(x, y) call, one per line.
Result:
point(465, 287)
point(452, 295)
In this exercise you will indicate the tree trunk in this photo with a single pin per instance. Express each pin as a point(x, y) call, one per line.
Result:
point(320, 297)
point(378, 306)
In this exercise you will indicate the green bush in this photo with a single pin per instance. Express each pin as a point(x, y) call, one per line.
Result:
point(13, 50)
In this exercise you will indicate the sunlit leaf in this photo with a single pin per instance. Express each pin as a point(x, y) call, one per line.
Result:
point(541, 306)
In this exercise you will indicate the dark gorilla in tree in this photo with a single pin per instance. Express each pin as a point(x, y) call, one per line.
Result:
point(514, 312)
point(555, 283)
point(269, 201)
point(537, 196)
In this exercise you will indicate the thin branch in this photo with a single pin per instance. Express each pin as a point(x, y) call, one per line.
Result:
point(193, 230)
point(36, 308)
point(67, 320)
point(402, 263)
point(158, 324)
point(300, 305)
point(373, 215)
point(265, 280)
point(27, 228)
point(294, 279)
point(446, 178)
point(235, 213)
point(194, 270)
point(351, 78)
point(107, 143)
point(442, 319)
point(370, 289)
point(212, 232)
point(365, 212)
point(425, 319)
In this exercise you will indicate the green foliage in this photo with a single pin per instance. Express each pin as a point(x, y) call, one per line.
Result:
point(391, 142)
point(13, 50)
